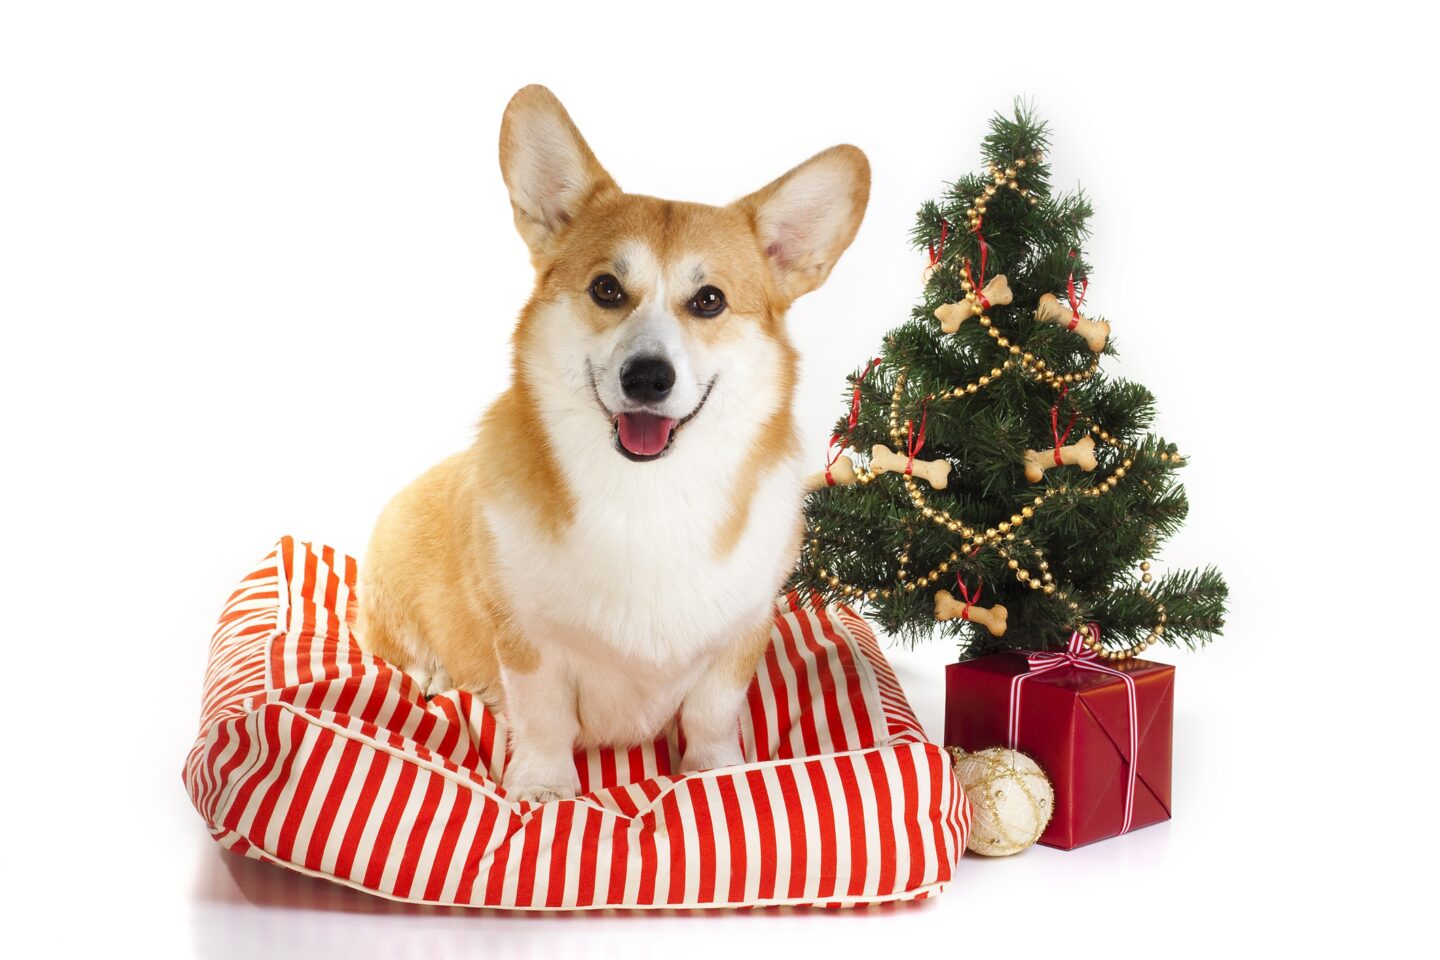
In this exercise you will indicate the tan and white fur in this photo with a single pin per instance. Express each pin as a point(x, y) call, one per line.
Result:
point(591, 593)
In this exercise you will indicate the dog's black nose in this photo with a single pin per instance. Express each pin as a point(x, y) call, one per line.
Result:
point(647, 379)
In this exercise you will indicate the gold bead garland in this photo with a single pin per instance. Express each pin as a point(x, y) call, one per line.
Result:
point(1002, 177)
point(974, 215)
point(1004, 532)
point(1135, 649)
point(997, 536)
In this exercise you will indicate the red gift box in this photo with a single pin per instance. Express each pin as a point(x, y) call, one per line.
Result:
point(1074, 721)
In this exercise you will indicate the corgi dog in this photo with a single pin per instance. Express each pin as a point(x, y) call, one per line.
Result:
point(604, 558)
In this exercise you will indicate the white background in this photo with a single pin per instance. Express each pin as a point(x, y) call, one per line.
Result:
point(257, 270)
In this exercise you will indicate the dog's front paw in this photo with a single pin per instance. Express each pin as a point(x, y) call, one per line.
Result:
point(432, 683)
point(541, 792)
point(540, 777)
point(708, 756)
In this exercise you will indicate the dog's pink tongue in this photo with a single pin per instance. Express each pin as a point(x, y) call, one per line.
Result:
point(644, 434)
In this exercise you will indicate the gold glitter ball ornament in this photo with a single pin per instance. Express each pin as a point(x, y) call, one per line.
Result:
point(1011, 799)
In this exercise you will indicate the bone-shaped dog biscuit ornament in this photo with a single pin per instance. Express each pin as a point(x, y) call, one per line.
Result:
point(1079, 454)
point(951, 315)
point(884, 460)
point(991, 618)
point(1051, 310)
point(840, 474)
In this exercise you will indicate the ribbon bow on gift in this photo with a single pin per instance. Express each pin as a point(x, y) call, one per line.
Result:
point(1078, 656)
point(1076, 652)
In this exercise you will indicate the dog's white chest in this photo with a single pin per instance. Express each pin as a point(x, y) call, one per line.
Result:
point(639, 570)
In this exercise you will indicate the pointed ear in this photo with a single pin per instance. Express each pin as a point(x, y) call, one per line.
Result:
point(547, 166)
point(807, 218)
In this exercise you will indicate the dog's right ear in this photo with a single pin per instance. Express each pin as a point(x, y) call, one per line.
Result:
point(806, 219)
point(548, 168)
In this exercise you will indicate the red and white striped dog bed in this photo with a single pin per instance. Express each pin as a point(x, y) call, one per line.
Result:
point(318, 757)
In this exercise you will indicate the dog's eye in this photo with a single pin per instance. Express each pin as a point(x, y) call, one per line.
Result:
point(708, 302)
point(606, 291)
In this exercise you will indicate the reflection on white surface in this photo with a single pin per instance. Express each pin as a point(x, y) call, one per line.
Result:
point(245, 908)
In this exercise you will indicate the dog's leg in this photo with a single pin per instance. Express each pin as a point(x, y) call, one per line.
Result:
point(540, 707)
point(379, 627)
point(380, 631)
point(432, 680)
point(710, 715)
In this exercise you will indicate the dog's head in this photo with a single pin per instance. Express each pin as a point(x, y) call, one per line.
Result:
point(650, 309)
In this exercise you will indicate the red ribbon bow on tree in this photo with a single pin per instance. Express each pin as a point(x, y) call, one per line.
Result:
point(1075, 301)
point(850, 422)
point(976, 288)
point(914, 444)
point(965, 590)
point(1055, 423)
point(937, 252)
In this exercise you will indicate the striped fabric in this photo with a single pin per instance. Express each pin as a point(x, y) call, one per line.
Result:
point(321, 758)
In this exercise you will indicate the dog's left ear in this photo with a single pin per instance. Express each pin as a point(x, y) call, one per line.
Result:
point(548, 168)
point(807, 218)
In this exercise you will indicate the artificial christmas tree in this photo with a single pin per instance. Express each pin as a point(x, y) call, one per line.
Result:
point(1006, 489)
point(1008, 493)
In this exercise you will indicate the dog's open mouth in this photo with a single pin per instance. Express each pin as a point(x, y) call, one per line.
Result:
point(644, 436)
point(641, 435)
